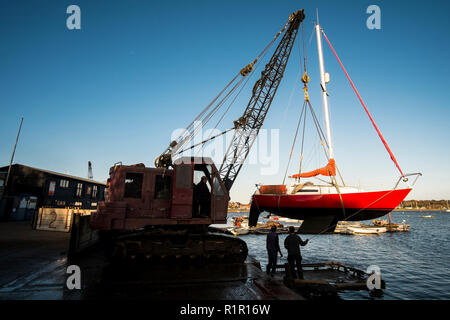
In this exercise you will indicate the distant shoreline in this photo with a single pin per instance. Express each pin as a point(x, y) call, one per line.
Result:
point(395, 210)
point(419, 210)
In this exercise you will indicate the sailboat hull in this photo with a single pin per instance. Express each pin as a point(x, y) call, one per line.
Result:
point(358, 206)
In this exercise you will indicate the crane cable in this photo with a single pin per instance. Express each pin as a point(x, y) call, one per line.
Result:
point(244, 72)
point(182, 138)
point(305, 54)
point(302, 147)
point(305, 78)
point(295, 139)
point(323, 139)
point(204, 141)
point(235, 97)
point(215, 109)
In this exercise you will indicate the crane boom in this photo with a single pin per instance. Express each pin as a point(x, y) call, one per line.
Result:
point(248, 126)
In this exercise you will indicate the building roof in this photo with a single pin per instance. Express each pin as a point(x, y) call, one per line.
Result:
point(56, 174)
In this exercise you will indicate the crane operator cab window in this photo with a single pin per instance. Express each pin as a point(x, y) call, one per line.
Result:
point(133, 185)
point(201, 202)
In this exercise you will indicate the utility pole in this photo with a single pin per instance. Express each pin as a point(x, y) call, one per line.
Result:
point(12, 156)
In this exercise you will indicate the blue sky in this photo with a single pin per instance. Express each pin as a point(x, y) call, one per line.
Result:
point(116, 89)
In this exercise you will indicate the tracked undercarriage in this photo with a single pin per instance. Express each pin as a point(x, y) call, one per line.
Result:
point(168, 244)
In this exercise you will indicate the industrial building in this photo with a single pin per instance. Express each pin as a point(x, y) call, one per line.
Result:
point(31, 188)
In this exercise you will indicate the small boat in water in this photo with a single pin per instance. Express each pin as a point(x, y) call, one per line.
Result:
point(239, 226)
point(239, 231)
point(287, 220)
point(365, 230)
point(391, 227)
point(428, 216)
point(239, 222)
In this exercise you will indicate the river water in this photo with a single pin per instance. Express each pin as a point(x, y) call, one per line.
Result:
point(414, 264)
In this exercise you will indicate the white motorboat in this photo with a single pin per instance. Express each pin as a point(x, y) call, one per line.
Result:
point(283, 219)
point(239, 231)
point(365, 230)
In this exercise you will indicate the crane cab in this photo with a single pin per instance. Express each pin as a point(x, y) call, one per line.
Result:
point(139, 196)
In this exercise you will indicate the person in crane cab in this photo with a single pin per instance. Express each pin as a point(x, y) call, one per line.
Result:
point(203, 197)
point(292, 244)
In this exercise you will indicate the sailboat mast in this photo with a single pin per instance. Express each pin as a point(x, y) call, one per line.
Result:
point(324, 79)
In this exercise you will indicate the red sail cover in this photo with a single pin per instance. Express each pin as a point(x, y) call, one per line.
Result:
point(328, 170)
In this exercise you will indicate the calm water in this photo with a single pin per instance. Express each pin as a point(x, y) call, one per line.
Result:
point(414, 264)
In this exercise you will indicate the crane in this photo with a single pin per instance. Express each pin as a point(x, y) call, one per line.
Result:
point(161, 202)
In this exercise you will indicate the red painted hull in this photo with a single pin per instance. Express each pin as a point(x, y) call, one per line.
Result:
point(358, 206)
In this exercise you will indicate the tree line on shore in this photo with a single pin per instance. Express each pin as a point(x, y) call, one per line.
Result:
point(424, 204)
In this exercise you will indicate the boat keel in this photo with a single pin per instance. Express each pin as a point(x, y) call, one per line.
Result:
point(319, 224)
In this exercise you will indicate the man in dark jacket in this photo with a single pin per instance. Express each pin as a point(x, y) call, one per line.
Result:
point(292, 244)
point(273, 248)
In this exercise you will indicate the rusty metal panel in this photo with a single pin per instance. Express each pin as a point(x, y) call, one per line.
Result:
point(183, 174)
point(182, 192)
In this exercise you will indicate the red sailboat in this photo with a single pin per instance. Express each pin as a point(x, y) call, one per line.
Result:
point(321, 206)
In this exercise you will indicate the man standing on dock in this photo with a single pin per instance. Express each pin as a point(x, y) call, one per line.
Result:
point(273, 248)
point(292, 244)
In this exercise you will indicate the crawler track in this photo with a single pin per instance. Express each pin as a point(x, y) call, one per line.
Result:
point(213, 245)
